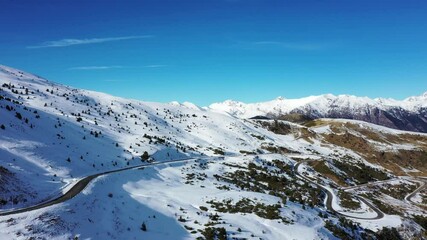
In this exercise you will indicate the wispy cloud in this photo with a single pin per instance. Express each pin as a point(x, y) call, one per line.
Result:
point(285, 45)
point(303, 46)
point(115, 67)
point(96, 67)
point(70, 41)
point(155, 66)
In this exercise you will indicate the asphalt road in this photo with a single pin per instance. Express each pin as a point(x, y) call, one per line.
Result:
point(81, 185)
point(369, 184)
point(408, 197)
point(329, 198)
point(419, 189)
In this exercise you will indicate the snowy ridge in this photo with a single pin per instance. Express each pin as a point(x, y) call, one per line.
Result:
point(51, 135)
point(54, 134)
point(322, 104)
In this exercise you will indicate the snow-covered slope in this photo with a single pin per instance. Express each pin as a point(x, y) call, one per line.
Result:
point(239, 180)
point(408, 114)
point(52, 135)
point(67, 133)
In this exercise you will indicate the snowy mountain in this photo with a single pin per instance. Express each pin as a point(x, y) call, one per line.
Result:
point(409, 114)
point(78, 164)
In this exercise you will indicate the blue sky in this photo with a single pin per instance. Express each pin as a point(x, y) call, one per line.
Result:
point(211, 50)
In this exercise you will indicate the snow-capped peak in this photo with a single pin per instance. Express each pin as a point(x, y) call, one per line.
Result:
point(420, 100)
point(53, 138)
point(321, 104)
point(424, 95)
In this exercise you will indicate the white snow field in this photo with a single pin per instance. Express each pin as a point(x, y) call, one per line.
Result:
point(52, 136)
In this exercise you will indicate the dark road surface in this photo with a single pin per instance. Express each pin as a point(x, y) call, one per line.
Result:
point(419, 189)
point(81, 185)
point(329, 198)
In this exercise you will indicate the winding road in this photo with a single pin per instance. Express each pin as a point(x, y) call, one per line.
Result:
point(81, 185)
point(380, 214)
point(409, 197)
point(330, 196)
point(369, 184)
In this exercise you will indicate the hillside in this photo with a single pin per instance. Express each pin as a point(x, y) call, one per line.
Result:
point(238, 178)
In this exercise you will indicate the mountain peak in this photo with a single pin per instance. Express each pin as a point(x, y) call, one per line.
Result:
point(230, 102)
point(419, 98)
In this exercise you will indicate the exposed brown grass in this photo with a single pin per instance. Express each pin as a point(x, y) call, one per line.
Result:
point(315, 123)
point(307, 135)
point(320, 167)
point(416, 139)
point(414, 158)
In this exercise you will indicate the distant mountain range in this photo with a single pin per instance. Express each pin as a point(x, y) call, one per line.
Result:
point(79, 164)
point(409, 114)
